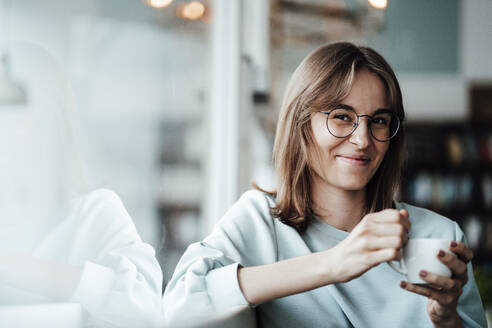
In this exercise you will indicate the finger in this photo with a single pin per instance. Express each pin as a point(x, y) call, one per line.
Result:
point(434, 287)
point(439, 296)
point(440, 282)
point(404, 212)
point(383, 255)
point(392, 216)
point(405, 219)
point(463, 251)
point(375, 243)
point(457, 266)
point(389, 229)
point(404, 216)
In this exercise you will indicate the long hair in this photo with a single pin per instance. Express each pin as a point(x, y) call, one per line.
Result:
point(323, 79)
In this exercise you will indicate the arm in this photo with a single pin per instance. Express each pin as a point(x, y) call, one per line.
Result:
point(206, 280)
point(96, 258)
point(204, 288)
point(374, 240)
point(121, 281)
point(122, 289)
point(54, 280)
point(261, 284)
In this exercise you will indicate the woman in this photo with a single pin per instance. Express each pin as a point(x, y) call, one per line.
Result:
point(313, 253)
point(61, 241)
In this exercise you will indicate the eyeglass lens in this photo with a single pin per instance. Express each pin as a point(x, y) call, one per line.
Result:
point(342, 122)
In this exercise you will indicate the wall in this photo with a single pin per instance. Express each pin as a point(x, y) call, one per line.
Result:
point(476, 40)
point(437, 50)
point(444, 96)
point(129, 74)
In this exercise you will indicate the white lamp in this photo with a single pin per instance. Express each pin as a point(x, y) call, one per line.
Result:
point(11, 92)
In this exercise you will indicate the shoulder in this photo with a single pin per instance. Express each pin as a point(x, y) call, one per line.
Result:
point(429, 224)
point(251, 204)
point(255, 199)
point(99, 197)
point(101, 207)
point(247, 232)
point(249, 214)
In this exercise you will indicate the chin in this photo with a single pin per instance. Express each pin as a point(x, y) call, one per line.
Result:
point(353, 185)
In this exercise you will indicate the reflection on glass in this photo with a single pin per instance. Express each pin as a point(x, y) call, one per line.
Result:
point(60, 241)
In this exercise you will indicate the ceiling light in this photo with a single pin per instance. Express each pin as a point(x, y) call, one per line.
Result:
point(159, 3)
point(379, 4)
point(193, 10)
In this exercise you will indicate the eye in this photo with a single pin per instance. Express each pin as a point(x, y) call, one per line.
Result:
point(381, 120)
point(342, 117)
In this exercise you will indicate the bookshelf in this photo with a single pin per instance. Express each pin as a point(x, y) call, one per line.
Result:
point(449, 170)
point(182, 179)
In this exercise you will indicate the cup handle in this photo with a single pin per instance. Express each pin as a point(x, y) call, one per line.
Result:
point(398, 268)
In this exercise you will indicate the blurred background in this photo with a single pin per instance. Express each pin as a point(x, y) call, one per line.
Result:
point(176, 100)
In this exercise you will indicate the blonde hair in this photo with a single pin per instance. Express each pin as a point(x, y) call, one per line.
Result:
point(323, 79)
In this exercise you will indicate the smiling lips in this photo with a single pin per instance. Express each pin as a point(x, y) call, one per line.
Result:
point(354, 160)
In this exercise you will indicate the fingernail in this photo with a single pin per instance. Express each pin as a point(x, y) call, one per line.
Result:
point(441, 253)
point(423, 273)
point(403, 284)
point(453, 244)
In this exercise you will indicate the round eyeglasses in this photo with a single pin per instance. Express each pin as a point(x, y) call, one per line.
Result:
point(342, 122)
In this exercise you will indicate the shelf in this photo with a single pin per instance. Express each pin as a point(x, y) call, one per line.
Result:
point(180, 186)
point(166, 208)
point(449, 171)
point(444, 167)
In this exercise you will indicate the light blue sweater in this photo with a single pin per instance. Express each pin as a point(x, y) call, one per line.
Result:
point(205, 288)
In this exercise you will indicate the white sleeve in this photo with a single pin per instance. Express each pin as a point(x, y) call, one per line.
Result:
point(121, 280)
point(470, 307)
point(204, 288)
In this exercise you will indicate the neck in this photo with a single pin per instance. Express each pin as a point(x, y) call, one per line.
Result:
point(342, 209)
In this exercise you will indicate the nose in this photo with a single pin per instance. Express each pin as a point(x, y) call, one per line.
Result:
point(361, 137)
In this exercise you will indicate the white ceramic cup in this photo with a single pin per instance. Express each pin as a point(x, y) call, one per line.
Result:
point(421, 254)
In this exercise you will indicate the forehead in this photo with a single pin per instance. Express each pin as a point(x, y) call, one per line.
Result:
point(367, 93)
point(347, 109)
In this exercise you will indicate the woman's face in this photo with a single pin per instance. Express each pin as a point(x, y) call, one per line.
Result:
point(349, 163)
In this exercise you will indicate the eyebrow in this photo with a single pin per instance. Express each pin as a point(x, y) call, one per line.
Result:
point(378, 111)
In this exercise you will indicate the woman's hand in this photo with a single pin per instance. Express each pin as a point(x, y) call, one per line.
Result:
point(377, 238)
point(443, 293)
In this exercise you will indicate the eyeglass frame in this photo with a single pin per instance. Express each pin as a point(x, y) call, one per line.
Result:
point(350, 108)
